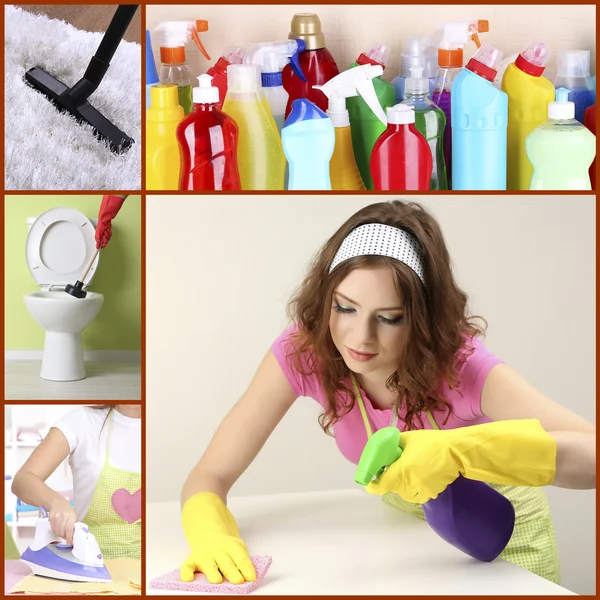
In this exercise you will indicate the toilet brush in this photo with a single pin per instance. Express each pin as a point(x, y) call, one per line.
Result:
point(77, 289)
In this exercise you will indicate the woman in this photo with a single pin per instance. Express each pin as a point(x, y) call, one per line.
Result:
point(104, 448)
point(379, 323)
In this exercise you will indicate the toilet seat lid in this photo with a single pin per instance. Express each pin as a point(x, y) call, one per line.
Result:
point(59, 244)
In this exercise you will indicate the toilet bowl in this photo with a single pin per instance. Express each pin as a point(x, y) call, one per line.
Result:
point(59, 244)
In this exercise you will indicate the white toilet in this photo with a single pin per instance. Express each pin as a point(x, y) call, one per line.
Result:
point(59, 245)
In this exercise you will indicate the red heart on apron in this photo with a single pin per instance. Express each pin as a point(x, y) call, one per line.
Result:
point(128, 506)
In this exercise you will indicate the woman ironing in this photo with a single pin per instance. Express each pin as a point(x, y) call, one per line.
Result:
point(103, 445)
point(380, 323)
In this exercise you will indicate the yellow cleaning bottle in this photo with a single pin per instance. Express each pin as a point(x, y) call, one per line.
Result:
point(260, 157)
point(162, 150)
point(529, 95)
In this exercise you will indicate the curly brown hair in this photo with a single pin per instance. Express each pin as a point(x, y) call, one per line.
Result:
point(436, 317)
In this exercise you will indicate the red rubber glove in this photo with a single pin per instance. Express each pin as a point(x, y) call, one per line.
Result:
point(109, 208)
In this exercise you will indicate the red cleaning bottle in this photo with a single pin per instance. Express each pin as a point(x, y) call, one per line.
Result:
point(316, 63)
point(207, 140)
point(233, 55)
point(401, 158)
point(590, 122)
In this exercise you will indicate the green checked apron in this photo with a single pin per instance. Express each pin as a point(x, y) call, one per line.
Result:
point(115, 515)
point(533, 542)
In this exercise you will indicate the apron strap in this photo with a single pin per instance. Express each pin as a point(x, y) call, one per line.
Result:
point(110, 422)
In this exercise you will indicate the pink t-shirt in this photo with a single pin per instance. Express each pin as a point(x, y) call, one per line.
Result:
point(350, 432)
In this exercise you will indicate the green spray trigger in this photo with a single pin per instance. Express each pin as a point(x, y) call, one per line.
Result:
point(381, 450)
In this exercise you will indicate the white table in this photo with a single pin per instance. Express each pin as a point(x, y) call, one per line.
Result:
point(342, 542)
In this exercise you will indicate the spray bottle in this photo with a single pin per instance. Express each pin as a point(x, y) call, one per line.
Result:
point(233, 55)
point(365, 124)
point(528, 97)
point(316, 62)
point(573, 73)
point(470, 515)
point(430, 122)
point(590, 123)
point(415, 54)
point(561, 150)
point(308, 140)
point(260, 157)
point(272, 58)
point(357, 81)
point(162, 150)
point(173, 36)
point(479, 122)
point(151, 74)
point(450, 39)
point(401, 158)
point(207, 141)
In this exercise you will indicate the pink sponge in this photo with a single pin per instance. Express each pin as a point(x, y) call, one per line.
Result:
point(172, 581)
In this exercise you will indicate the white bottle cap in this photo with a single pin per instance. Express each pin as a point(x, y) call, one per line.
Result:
point(416, 84)
point(561, 109)
point(205, 93)
point(401, 114)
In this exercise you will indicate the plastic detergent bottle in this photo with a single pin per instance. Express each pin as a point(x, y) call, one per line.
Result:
point(573, 73)
point(528, 97)
point(430, 122)
point(207, 140)
point(415, 54)
point(590, 123)
point(233, 55)
point(151, 74)
point(162, 150)
point(561, 149)
point(479, 122)
point(316, 62)
point(272, 58)
point(450, 39)
point(366, 125)
point(401, 158)
point(308, 140)
point(357, 81)
point(173, 36)
point(260, 157)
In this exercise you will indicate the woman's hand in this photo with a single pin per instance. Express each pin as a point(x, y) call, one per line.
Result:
point(62, 518)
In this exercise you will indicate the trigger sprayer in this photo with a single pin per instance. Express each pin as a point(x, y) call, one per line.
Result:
point(173, 37)
point(272, 57)
point(357, 81)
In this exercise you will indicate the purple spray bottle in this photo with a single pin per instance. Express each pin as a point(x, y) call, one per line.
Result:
point(470, 515)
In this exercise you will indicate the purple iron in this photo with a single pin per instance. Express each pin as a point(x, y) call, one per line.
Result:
point(470, 515)
point(49, 555)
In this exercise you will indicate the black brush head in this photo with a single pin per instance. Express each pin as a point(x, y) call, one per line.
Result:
point(76, 290)
point(83, 111)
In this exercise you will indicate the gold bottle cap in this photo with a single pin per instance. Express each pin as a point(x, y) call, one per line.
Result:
point(307, 27)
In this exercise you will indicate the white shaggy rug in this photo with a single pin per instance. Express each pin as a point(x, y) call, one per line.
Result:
point(48, 150)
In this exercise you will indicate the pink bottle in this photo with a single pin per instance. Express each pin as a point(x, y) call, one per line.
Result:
point(401, 158)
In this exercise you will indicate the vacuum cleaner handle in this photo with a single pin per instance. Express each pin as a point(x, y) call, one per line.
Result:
point(89, 264)
point(100, 62)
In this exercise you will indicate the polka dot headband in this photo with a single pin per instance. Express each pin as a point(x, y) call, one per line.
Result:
point(375, 239)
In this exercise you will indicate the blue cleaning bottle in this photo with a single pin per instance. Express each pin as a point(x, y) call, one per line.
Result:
point(415, 54)
point(479, 125)
point(151, 73)
point(573, 73)
point(308, 139)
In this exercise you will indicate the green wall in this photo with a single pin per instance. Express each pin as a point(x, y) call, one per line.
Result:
point(118, 278)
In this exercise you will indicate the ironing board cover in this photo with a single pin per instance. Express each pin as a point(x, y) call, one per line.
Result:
point(533, 542)
point(115, 514)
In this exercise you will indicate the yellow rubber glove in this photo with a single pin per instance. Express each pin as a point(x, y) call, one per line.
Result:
point(214, 539)
point(516, 452)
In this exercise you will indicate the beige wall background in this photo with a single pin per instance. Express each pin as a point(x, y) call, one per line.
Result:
point(220, 271)
point(349, 29)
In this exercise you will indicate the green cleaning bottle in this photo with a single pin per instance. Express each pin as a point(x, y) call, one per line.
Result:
point(430, 122)
point(365, 126)
point(561, 149)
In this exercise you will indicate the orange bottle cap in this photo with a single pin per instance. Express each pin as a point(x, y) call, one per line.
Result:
point(450, 58)
point(171, 56)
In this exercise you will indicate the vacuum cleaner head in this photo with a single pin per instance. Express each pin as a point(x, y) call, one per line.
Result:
point(49, 556)
point(58, 93)
point(76, 290)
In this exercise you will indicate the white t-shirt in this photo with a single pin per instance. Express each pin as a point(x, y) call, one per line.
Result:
point(86, 430)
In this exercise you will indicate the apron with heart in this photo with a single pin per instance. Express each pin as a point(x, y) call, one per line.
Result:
point(115, 514)
point(533, 542)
